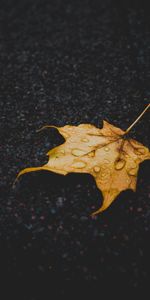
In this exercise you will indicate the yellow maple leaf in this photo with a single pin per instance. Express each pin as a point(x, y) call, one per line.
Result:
point(111, 158)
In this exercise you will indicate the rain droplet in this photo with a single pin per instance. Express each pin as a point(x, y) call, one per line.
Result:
point(78, 152)
point(120, 164)
point(79, 164)
point(96, 169)
point(85, 140)
point(106, 161)
point(62, 151)
point(139, 151)
point(105, 173)
point(132, 171)
point(106, 149)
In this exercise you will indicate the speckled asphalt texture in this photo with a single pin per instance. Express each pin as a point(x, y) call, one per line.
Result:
point(70, 62)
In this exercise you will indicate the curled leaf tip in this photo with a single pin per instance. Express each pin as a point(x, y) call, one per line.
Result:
point(27, 170)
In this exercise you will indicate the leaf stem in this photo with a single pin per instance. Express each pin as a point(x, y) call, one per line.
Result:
point(139, 117)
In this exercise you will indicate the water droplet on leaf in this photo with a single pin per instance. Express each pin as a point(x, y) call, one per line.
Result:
point(85, 140)
point(96, 169)
point(139, 151)
point(79, 164)
point(120, 164)
point(78, 152)
point(62, 151)
point(132, 171)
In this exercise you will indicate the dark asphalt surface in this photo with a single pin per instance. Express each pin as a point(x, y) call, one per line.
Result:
point(70, 62)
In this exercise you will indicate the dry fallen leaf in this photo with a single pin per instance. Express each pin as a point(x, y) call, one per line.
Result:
point(106, 154)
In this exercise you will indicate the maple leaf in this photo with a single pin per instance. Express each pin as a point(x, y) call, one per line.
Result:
point(111, 158)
